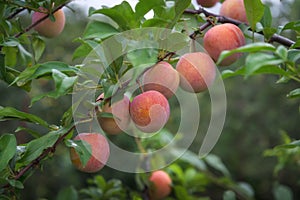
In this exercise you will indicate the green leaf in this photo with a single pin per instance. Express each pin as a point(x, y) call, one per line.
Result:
point(36, 147)
point(67, 193)
point(293, 55)
point(263, 70)
point(181, 193)
point(84, 49)
point(10, 56)
point(215, 162)
point(144, 6)
point(33, 133)
point(63, 85)
point(8, 146)
point(122, 14)
point(15, 183)
point(7, 113)
point(290, 145)
point(25, 56)
point(83, 149)
point(156, 22)
point(11, 42)
point(145, 56)
point(282, 52)
point(254, 11)
point(180, 6)
point(246, 188)
point(229, 195)
point(174, 41)
point(41, 70)
point(167, 15)
point(230, 73)
point(100, 181)
point(39, 47)
point(255, 61)
point(292, 26)
point(97, 29)
point(191, 158)
point(166, 11)
point(282, 192)
point(249, 48)
point(269, 32)
point(67, 117)
point(267, 18)
point(294, 93)
point(2, 66)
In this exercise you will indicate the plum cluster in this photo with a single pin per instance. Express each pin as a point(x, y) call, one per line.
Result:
point(149, 110)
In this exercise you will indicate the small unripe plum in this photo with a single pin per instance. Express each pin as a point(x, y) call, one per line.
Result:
point(207, 3)
point(150, 111)
point(197, 71)
point(224, 37)
point(99, 152)
point(234, 9)
point(47, 27)
point(160, 185)
point(162, 78)
point(121, 117)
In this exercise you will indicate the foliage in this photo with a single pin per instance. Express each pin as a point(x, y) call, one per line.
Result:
point(21, 51)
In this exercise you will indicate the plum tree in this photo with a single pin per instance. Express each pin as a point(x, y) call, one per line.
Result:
point(160, 185)
point(207, 3)
point(121, 118)
point(162, 78)
point(150, 111)
point(99, 152)
point(214, 42)
point(234, 9)
point(47, 27)
point(111, 50)
point(197, 71)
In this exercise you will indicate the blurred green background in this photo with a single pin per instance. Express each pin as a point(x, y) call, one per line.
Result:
point(258, 111)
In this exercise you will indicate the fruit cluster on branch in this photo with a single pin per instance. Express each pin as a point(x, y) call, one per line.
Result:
point(149, 111)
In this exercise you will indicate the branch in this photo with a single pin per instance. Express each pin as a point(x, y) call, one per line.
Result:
point(222, 19)
point(43, 155)
point(15, 13)
point(39, 21)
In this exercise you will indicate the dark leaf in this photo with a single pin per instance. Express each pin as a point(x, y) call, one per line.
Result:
point(8, 146)
point(294, 93)
point(83, 149)
point(7, 113)
point(36, 147)
point(67, 193)
point(44, 69)
point(63, 85)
